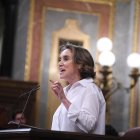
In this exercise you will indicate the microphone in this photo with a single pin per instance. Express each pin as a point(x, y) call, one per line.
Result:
point(29, 94)
point(32, 90)
point(25, 93)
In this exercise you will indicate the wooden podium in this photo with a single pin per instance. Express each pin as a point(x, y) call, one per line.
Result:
point(14, 131)
point(41, 134)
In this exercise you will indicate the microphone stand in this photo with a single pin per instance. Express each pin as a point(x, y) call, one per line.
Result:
point(30, 92)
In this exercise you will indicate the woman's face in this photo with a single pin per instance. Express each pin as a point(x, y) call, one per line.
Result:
point(67, 68)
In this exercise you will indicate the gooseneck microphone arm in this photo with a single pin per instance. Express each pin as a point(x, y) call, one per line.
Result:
point(32, 90)
point(29, 94)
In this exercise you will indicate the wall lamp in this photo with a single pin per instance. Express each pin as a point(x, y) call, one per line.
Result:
point(106, 60)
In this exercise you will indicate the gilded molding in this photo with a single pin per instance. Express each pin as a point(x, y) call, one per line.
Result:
point(111, 21)
point(107, 2)
point(137, 20)
point(72, 11)
point(136, 24)
point(29, 41)
point(38, 96)
point(132, 103)
point(29, 52)
point(112, 4)
point(132, 109)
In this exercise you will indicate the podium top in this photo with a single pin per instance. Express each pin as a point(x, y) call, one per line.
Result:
point(15, 130)
point(42, 134)
point(27, 132)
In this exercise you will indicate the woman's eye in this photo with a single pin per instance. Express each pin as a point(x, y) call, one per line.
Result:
point(66, 58)
point(59, 59)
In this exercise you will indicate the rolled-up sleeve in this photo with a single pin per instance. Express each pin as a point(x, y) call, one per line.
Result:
point(85, 115)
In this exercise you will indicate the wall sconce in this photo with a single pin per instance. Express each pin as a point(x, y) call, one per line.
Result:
point(106, 60)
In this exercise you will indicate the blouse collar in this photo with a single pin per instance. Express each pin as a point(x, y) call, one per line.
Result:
point(83, 82)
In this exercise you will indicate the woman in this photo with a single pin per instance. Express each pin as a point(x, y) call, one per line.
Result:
point(82, 106)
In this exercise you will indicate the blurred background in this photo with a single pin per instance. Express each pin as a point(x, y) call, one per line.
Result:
point(31, 32)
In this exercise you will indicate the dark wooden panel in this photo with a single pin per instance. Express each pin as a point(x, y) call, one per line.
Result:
point(10, 90)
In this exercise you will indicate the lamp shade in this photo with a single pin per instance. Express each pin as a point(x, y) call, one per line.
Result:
point(104, 44)
point(133, 60)
point(106, 58)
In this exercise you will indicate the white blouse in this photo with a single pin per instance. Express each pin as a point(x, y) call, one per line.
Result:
point(86, 112)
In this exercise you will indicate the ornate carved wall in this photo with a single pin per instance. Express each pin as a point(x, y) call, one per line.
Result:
point(116, 19)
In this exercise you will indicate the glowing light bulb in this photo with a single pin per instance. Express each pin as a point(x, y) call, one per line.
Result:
point(133, 60)
point(104, 44)
point(106, 58)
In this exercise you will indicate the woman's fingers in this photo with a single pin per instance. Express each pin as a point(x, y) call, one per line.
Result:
point(57, 89)
point(54, 85)
point(55, 82)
